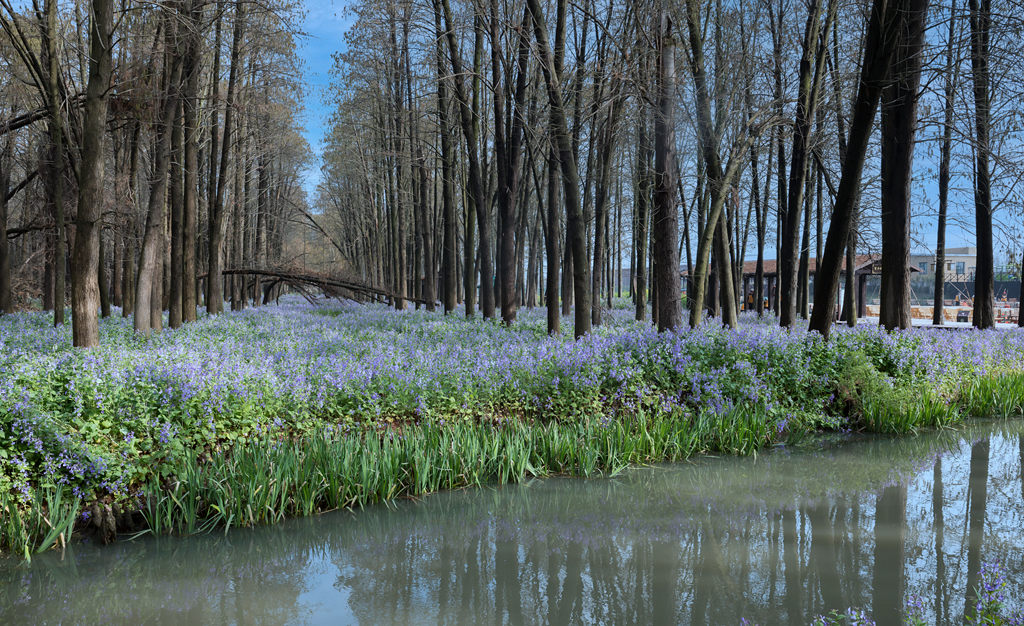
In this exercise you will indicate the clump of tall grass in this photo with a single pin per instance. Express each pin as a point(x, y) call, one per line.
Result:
point(270, 478)
point(882, 403)
point(36, 522)
point(999, 394)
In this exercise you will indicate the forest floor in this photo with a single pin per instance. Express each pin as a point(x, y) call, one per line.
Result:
point(293, 409)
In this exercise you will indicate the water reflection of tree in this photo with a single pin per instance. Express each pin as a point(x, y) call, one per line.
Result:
point(977, 496)
point(782, 537)
point(888, 577)
point(939, 530)
point(246, 577)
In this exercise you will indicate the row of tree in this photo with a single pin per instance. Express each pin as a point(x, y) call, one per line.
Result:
point(507, 153)
point(143, 147)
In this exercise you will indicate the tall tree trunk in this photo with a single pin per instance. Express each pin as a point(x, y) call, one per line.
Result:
point(643, 159)
point(475, 182)
point(147, 308)
point(899, 120)
point(849, 310)
point(883, 20)
point(665, 221)
point(5, 252)
point(218, 215)
point(190, 216)
point(101, 278)
point(177, 214)
point(601, 248)
point(815, 38)
point(448, 259)
point(116, 289)
point(86, 258)
point(128, 278)
point(508, 155)
point(781, 209)
point(804, 268)
point(984, 288)
point(945, 151)
point(427, 252)
point(718, 184)
point(56, 169)
point(575, 228)
point(551, 284)
point(761, 225)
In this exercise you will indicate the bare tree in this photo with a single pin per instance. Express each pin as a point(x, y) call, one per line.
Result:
point(883, 24)
point(984, 288)
point(85, 295)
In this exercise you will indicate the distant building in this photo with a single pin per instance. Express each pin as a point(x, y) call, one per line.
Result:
point(867, 265)
point(961, 263)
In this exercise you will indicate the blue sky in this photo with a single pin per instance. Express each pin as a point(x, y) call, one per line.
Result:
point(325, 26)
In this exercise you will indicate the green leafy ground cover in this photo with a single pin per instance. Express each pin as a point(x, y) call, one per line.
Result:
point(253, 416)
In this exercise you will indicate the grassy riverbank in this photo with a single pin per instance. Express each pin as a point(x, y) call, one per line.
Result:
point(254, 416)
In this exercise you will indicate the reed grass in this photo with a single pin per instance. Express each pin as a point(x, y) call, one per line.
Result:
point(267, 479)
point(304, 412)
point(38, 522)
point(270, 477)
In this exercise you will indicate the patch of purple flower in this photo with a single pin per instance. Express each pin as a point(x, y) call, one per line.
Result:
point(107, 418)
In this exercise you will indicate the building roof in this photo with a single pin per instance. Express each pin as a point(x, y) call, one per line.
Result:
point(770, 265)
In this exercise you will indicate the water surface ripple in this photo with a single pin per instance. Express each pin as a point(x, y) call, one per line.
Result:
point(779, 538)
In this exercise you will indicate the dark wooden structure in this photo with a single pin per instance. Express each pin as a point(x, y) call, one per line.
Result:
point(867, 265)
point(301, 282)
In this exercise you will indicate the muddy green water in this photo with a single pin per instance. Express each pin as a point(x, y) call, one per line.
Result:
point(866, 522)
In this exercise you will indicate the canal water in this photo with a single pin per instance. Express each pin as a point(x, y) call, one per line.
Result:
point(863, 522)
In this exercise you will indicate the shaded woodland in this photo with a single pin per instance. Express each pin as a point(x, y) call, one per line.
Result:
point(144, 149)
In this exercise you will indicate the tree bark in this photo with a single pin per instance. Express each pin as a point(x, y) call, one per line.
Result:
point(450, 222)
point(874, 72)
point(218, 214)
point(177, 214)
point(475, 182)
point(984, 288)
point(815, 38)
point(945, 152)
point(101, 277)
point(56, 169)
point(190, 216)
point(5, 254)
point(643, 159)
point(508, 154)
point(803, 269)
point(86, 258)
point(718, 184)
point(899, 121)
point(665, 221)
point(147, 308)
point(575, 229)
point(553, 232)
